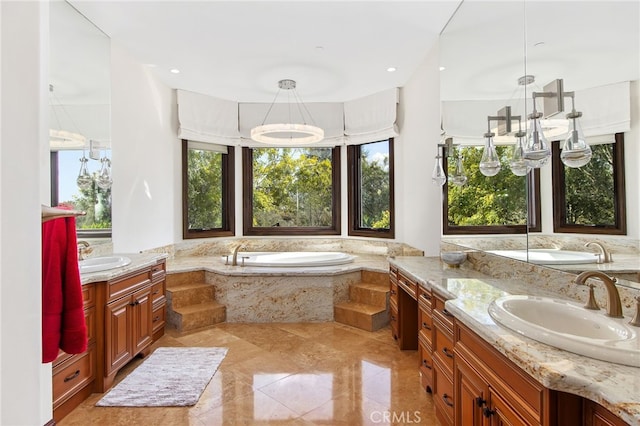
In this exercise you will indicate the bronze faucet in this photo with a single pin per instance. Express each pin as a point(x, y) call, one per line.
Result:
point(614, 305)
point(83, 249)
point(234, 259)
point(604, 256)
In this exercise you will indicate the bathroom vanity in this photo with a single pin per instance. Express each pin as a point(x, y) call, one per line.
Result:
point(125, 313)
point(480, 373)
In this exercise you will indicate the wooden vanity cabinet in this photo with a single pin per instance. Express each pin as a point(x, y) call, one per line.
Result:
point(425, 338)
point(393, 302)
point(74, 375)
point(443, 361)
point(403, 310)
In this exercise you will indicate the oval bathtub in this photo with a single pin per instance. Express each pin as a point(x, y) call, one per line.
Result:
point(292, 258)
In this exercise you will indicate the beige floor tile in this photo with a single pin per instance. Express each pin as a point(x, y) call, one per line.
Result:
point(287, 374)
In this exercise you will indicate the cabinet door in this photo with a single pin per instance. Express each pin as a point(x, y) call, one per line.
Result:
point(597, 415)
point(501, 413)
point(142, 319)
point(470, 395)
point(118, 345)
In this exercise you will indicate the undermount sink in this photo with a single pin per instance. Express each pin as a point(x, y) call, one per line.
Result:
point(569, 326)
point(104, 263)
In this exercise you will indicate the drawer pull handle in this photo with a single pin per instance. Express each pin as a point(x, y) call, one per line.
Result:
point(488, 412)
point(156, 292)
point(480, 402)
point(156, 319)
point(72, 376)
point(393, 292)
point(393, 318)
point(426, 364)
point(447, 352)
point(136, 302)
point(447, 313)
point(447, 400)
point(426, 296)
point(424, 325)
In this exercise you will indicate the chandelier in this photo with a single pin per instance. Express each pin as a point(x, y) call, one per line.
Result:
point(290, 133)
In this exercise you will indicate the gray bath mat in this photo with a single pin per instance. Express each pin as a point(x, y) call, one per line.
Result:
point(168, 377)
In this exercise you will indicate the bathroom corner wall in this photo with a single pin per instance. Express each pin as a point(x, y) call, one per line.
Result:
point(146, 152)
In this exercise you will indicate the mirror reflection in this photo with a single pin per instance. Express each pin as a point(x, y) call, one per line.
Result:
point(79, 111)
point(577, 64)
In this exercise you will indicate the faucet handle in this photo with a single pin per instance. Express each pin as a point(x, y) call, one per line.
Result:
point(591, 302)
point(635, 321)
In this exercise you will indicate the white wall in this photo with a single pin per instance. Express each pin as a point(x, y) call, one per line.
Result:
point(632, 164)
point(418, 201)
point(146, 157)
point(25, 383)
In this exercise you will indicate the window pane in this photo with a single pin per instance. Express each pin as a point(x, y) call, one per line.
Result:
point(205, 189)
point(374, 190)
point(590, 191)
point(292, 187)
point(486, 201)
point(95, 201)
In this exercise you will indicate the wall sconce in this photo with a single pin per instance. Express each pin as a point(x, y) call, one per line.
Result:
point(445, 150)
point(575, 151)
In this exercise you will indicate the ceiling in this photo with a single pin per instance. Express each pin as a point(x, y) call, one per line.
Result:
point(239, 50)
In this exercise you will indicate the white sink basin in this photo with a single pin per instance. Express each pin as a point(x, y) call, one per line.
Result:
point(97, 264)
point(569, 326)
point(549, 256)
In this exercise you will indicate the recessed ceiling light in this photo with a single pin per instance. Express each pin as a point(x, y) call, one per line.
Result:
point(175, 71)
point(391, 69)
point(538, 44)
point(442, 68)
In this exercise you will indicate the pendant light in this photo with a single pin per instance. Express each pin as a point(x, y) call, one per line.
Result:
point(438, 177)
point(84, 180)
point(518, 164)
point(458, 177)
point(536, 151)
point(576, 152)
point(489, 163)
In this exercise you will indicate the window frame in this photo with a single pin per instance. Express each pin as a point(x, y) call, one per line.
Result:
point(560, 224)
point(533, 208)
point(247, 201)
point(354, 190)
point(228, 198)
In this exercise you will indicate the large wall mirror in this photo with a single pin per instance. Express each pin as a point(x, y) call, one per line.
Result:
point(79, 111)
point(497, 54)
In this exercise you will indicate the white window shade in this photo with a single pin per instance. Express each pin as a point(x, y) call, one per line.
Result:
point(605, 109)
point(326, 115)
point(207, 119)
point(371, 118)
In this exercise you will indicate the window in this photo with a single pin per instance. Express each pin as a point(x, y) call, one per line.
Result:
point(591, 199)
point(207, 190)
point(291, 191)
point(95, 201)
point(370, 184)
point(501, 204)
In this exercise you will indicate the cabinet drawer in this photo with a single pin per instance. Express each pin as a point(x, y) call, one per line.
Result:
point(443, 346)
point(393, 292)
point(89, 295)
point(126, 285)
point(393, 273)
point(426, 365)
point(443, 394)
point(440, 312)
point(157, 292)
point(158, 317)
point(393, 322)
point(424, 299)
point(158, 272)
point(410, 286)
point(73, 375)
point(425, 326)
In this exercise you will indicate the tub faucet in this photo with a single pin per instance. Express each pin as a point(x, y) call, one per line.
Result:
point(234, 259)
point(604, 256)
point(83, 249)
point(614, 305)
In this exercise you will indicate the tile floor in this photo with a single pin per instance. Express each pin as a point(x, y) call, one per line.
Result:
point(288, 374)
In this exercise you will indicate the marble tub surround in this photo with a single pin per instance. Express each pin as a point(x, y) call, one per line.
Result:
point(614, 386)
point(221, 247)
point(270, 294)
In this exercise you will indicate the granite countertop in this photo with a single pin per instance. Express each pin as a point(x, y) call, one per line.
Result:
point(614, 386)
point(138, 261)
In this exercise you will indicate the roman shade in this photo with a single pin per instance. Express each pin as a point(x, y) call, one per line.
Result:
point(204, 118)
point(372, 118)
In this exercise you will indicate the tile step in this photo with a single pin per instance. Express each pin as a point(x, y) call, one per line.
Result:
point(361, 315)
point(196, 316)
point(190, 294)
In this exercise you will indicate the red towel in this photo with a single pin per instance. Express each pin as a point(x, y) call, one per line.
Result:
point(63, 323)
